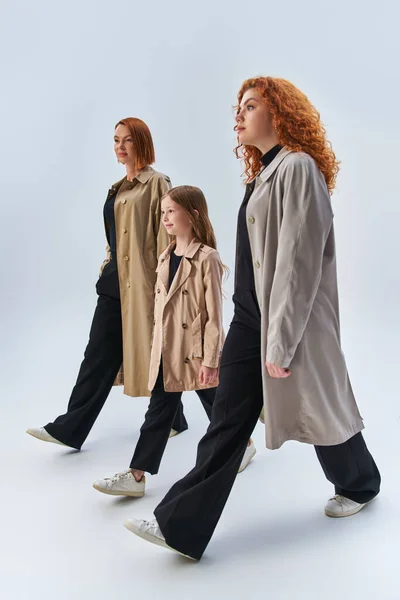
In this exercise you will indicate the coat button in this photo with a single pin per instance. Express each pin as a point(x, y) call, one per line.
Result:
point(251, 219)
point(124, 231)
point(128, 284)
point(257, 264)
point(184, 325)
point(126, 258)
point(187, 360)
point(154, 322)
point(158, 290)
point(185, 292)
point(123, 201)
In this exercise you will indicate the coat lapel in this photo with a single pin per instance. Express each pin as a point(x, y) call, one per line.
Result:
point(115, 187)
point(183, 272)
point(181, 276)
point(270, 170)
point(143, 176)
point(163, 266)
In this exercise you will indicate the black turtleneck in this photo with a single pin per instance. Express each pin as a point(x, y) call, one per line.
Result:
point(244, 278)
point(109, 220)
point(174, 262)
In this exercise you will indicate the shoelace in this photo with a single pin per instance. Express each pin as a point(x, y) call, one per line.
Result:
point(118, 476)
point(339, 499)
point(151, 527)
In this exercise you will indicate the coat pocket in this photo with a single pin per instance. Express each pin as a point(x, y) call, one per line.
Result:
point(197, 338)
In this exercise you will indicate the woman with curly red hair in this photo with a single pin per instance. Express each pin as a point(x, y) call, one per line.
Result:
point(283, 347)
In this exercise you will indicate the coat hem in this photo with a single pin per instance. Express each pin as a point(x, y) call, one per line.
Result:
point(190, 388)
point(137, 393)
point(303, 439)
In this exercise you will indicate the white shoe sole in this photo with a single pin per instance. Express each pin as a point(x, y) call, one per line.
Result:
point(45, 439)
point(114, 493)
point(153, 539)
point(348, 513)
point(249, 459)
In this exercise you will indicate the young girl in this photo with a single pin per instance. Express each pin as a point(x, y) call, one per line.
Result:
point(187, 337)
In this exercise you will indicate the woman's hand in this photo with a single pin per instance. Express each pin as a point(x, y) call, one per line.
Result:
point(207, 375)
point(277, 372)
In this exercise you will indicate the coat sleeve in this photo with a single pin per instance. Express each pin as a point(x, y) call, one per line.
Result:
point(163, 185)
point(306, 223)
point(213, 327)
point(107, 259)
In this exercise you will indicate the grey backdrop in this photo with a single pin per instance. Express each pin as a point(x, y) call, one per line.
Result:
point(69, 72)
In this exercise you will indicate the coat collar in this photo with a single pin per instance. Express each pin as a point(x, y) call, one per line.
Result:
point(184, 268)
point(144, 175)
point(268, 171)
point(191, 250)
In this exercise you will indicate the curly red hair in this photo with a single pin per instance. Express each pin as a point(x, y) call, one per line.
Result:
point(298, 127)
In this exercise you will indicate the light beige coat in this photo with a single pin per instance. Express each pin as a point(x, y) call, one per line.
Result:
point(290, 225)
point(140, 240)
point(188, 329)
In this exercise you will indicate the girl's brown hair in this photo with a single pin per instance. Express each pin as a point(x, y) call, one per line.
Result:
point(142, 140)
point(192, 199)
point(298, 127)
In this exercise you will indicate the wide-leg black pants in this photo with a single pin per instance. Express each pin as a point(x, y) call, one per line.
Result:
point(190, 511)
point(101, 363)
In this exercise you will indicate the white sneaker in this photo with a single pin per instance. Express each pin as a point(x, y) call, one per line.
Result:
point(339, 506)
point(122, 484)
point(41, 434)
point(248, 455)
point(151, 532)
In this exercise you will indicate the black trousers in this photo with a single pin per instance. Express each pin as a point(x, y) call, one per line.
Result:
point(101, 363)
point(190, 511)
point(158, 422)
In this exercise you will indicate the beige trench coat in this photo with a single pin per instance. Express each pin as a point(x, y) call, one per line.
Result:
point(141, 238)
point(290, 225)
point(188, 329)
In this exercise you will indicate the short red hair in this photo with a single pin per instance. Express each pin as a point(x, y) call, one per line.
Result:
point(142, 140)
point(298, 126)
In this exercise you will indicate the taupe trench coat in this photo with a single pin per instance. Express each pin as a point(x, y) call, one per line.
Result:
point(141, 238)
point(290, 225)
point(188, 329)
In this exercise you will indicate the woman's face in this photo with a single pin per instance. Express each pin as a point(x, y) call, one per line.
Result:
point(175, 219)
point(123, 146)
point(254, 124)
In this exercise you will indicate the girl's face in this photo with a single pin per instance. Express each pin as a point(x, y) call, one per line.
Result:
point(175, 219)
point(123, 146)
point(253, 121)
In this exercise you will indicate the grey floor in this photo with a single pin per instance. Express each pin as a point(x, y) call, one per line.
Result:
point(62, 539)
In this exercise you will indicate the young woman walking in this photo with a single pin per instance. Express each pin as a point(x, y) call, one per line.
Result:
point(285, 335)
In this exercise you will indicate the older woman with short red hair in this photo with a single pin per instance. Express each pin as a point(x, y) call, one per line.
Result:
point(118, 351)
